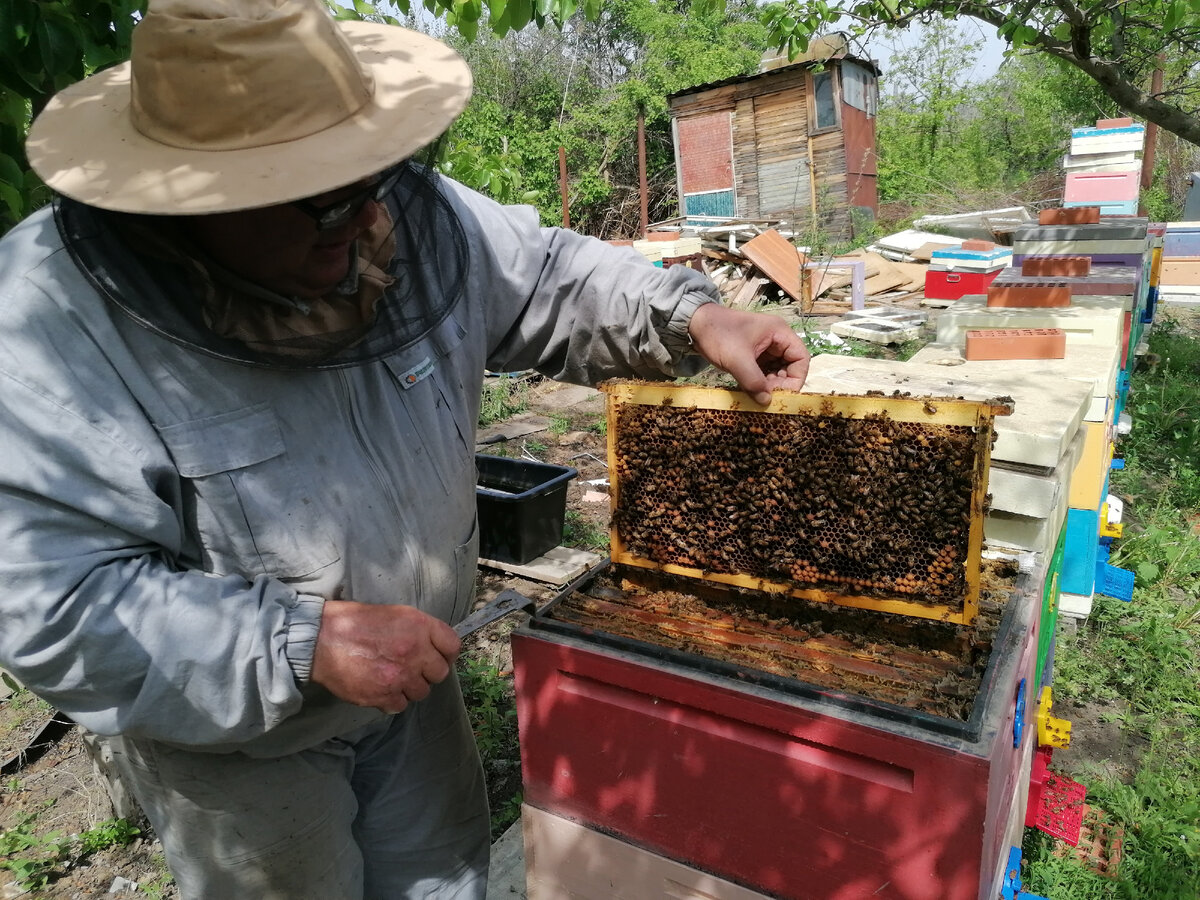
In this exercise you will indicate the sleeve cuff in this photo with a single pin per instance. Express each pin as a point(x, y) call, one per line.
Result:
point(675, 336)
point(303, 622)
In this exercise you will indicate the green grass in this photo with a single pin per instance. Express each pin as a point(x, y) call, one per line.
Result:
point(493, 714)
point(36, 859)
point(582, 534)
point(560, 424)
point(502, 398)
point(822, 342)
point(1142, 659)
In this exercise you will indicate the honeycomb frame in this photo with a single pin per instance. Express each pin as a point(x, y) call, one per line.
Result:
point(873, 502)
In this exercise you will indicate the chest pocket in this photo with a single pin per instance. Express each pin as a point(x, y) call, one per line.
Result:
point(248, 508)
point(438, 404)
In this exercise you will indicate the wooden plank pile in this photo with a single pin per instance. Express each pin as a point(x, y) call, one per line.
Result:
point(754, 263)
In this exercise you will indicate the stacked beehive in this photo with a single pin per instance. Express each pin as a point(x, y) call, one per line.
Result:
point(1181, 258)
point(1105, 308)
point(748, 750)
point(1104, 166)
point(967, 268)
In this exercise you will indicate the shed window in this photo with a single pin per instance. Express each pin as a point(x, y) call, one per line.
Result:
point(824, 101)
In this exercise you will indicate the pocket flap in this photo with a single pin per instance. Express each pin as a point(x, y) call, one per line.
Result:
point(232, 440)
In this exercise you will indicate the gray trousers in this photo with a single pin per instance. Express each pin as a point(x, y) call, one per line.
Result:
point(395, 810)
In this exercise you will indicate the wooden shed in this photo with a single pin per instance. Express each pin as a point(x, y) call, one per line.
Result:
point(795, 142)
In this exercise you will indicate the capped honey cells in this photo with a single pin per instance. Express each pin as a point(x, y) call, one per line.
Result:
point(845, 497)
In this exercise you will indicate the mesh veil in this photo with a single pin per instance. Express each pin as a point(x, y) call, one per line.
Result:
point(428, 269)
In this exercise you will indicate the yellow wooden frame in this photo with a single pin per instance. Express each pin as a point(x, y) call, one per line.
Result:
point(927, 411)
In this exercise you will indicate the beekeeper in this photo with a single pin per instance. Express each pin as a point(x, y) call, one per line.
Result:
point(241, 359)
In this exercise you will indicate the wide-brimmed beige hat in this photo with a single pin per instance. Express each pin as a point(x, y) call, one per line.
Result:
point(236, 104)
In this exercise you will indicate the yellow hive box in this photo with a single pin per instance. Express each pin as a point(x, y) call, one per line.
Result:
point(1090, 473)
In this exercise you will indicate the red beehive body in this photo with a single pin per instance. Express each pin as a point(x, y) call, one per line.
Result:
point(800, 798)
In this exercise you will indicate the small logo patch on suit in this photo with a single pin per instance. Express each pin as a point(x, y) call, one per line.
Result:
point(417, 373)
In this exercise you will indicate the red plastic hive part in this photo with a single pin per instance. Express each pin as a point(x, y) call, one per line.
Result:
point(1055, 802)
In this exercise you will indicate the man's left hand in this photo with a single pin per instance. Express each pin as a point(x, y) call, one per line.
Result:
point(760, 351)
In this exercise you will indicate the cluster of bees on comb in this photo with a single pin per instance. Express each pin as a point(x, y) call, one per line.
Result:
point(869, 505)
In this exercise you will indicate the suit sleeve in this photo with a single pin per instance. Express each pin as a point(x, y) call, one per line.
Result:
point(97, 618)
point(575, 308)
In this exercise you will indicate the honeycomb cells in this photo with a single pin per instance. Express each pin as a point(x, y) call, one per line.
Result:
point(847, 505)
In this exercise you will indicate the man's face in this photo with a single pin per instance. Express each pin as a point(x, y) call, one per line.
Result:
point(280, 247)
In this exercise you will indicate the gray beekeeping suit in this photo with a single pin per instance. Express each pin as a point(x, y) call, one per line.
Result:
point(170, 519)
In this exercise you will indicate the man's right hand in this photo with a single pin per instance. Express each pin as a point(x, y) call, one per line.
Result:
point(381, 656)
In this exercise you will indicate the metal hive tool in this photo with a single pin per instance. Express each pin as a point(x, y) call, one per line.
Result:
point(871, 502)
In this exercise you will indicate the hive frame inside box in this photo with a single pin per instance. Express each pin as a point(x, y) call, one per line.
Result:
point(925, 412)
point(843, 793)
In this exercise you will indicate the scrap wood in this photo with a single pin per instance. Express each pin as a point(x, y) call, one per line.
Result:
point(889, 277)
point(827, 275)
point(723, 256)
point(924, 253)
point(778, 259)
point(824, 280)
point(829, 307)
point(916, 275)
point(749, 290)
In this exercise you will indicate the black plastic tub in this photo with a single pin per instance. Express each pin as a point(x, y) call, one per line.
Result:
point(522, 506)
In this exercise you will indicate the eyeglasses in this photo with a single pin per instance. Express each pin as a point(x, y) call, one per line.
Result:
point(335, 215)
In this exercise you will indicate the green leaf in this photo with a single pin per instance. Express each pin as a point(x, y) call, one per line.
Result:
point(468, 28)
point(1174, 15)
point(467, 11)
point(60, 47)
point(14, 110)
point(10, 171)
point(520, 12)
point(1148, 572)
point(564, 9)
point(12, 200)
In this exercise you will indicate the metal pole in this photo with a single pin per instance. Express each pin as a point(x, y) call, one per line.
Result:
point(642, 189)
point(562, 184)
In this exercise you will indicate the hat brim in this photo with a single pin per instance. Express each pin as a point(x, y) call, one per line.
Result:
point(84, 144)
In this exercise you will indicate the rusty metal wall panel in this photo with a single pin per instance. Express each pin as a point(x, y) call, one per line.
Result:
point(705, 152)
point(861, 161)
point(859, 139)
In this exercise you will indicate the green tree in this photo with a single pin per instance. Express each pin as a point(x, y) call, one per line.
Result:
point(44, 46)
point(1117, 44)
point(924, 106)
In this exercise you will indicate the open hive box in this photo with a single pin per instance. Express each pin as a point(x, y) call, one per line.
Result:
point(797, 672)
point(727, 517)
